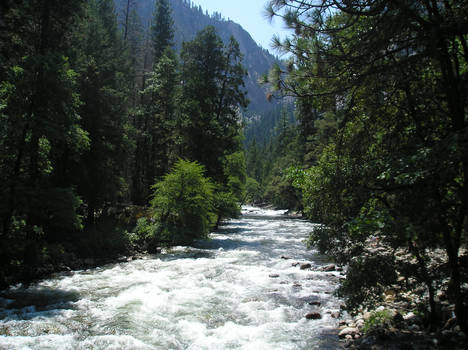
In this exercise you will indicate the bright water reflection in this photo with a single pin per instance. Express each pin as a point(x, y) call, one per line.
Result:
point(216, 295)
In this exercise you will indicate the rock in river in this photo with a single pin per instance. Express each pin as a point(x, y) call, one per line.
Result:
point(313, 316)
point(329, 268)
point(352, 331)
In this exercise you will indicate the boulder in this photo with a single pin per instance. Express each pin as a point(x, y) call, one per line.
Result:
point(273, 275)
point(328, 268)
point(305, 266)
point(313, 316)
point(352, 331)
point(285, 257)
point(360, 323)
point(410, 316)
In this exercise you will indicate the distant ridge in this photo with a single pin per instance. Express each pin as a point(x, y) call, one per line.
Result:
point(190, 19)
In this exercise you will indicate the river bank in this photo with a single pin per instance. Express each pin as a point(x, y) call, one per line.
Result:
point(65, 262)
point(400, 329)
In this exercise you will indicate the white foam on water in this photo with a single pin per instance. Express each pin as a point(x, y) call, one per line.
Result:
point(46, 342)
point(219, 295)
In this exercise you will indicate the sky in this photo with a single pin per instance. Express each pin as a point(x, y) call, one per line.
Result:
point(250, 15)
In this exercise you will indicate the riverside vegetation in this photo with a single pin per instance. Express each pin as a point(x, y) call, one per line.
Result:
point(378, 152)
point(84, 128)
point(373, 146)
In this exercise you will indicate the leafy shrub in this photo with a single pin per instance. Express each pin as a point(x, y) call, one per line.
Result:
point(182, 204)
point(145, 231)
point(235, 172)
point(226, 205)
point(378, 319)
point(367, 278)
point(253, 191)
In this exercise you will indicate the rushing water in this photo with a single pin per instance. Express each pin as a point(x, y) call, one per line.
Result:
point(221, 294)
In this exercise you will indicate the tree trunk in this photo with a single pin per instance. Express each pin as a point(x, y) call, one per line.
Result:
point(428, 281)
point(127, 14)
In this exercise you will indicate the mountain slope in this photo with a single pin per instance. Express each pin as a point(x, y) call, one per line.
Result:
point(189, 19)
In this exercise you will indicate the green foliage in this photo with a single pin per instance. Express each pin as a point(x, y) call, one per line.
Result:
point(268, 164)
point(155, 124)
point(382, 133)
point(377, 319)
point(105, 239)
point(212, 93)
point(368, 276)
point(91, 117)
point(235, 172)
point(58, 207)
point(145, 231)
point(226, 205)
point(162, 31)
point(98, 174)
point(182, 204)
point(39, 124)
point(253, 191)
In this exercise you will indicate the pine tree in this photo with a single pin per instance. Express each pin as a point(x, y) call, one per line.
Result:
point(154, 118)
point(127, 13)
point(134, 44)
point(103, 109)
point(162, 31)
point(156, 123)
point(212, 95)
point(40, 121)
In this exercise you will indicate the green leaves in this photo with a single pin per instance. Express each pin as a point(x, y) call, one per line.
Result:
point(212, 93)
point(182, 203)
point(383, 107)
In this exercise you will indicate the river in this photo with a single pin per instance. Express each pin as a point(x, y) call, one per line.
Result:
point(235, 290)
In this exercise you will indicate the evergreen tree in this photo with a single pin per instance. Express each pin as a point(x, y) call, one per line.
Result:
point(162, 31)
point(40, 121)
point(103, 111)
point(212, 93)
point(129, 11)
point(135, 47)
point(156, 123)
